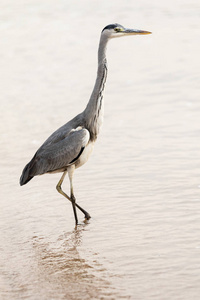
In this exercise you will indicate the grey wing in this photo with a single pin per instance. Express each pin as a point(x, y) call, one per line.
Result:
point(57, 155)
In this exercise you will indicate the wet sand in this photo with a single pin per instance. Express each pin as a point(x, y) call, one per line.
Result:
point(142, 183)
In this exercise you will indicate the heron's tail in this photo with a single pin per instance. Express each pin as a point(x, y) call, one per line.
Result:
point(25, 177)
point(29, 171)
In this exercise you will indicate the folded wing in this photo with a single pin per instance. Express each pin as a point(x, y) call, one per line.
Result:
point(57, 155)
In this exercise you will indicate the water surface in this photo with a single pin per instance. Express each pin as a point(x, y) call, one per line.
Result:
point(142, 183)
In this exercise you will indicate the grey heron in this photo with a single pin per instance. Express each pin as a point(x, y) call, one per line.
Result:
point(70, 146)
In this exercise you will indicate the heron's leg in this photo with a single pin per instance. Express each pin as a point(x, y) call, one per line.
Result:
point(70, 170)
point(70, 173)
point(87, 215)
point(59, 189)
point(65, 195)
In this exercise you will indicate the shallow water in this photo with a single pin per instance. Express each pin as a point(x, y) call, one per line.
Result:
point(142, 183)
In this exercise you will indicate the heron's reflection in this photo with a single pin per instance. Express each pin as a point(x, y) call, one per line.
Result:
point(61, 268)
point(61, 254)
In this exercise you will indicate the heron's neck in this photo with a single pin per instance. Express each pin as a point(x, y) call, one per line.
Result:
point(95, 107)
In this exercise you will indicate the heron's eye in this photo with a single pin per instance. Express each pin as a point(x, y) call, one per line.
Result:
point(117, 29)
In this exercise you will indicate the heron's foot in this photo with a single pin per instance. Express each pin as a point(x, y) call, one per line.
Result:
point(87, 216)
point(86, 221)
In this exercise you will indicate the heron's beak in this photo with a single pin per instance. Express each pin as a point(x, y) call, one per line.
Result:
point(135, 31)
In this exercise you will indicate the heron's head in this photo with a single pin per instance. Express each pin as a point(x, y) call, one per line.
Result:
point(117, 30)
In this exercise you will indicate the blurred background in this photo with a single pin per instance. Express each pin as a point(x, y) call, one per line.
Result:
point(142, 183)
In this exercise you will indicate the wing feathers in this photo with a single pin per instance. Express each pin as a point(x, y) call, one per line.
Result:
point(57, 155)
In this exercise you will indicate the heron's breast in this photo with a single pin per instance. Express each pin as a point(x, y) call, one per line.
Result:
point(85, 155)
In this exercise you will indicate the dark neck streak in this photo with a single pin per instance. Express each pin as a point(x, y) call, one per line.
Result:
point(93, 113)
